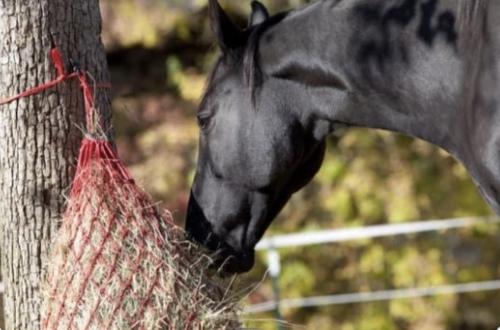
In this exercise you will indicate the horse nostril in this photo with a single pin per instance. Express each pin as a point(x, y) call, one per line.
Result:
point(228, 226)
point(266, 190)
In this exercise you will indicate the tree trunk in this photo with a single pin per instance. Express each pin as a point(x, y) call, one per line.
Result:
point(40, 137)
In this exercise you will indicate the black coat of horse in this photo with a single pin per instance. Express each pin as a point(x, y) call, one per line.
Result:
point(425, 68)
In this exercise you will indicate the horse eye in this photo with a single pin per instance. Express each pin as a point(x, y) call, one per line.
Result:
point(203, 120)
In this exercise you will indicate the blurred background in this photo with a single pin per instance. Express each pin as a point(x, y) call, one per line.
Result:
point(160, 53)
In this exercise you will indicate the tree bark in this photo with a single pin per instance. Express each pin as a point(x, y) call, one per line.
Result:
point(40, 137)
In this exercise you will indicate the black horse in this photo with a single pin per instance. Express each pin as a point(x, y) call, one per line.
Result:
point(426, 68)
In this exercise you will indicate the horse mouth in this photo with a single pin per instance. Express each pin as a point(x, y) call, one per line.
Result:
point(226, 258)
point(228, 261)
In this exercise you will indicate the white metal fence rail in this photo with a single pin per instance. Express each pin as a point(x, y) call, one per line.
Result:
point(351, 298)
point(272, 244)
point(352, 234)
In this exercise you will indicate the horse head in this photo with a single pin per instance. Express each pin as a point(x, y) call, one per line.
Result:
point(256, 145)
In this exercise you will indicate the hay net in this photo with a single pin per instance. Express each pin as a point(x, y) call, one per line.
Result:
point(117, 261)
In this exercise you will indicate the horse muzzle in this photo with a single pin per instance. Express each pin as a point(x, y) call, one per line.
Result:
point(227, 260)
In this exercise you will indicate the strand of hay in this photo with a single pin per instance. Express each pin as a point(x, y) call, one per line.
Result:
point(118, 263)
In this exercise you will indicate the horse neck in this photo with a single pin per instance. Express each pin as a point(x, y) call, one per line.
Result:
point(392, 81)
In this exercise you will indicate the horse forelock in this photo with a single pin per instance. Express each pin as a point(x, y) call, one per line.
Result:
point(251, 69)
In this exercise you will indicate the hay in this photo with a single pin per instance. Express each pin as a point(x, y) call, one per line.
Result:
point(118, 263)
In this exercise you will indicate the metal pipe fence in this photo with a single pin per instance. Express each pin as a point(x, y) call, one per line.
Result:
point(272, 245)
point(364, 297)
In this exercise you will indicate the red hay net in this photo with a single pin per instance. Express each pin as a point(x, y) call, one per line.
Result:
point(117, 261)
point(109, 251)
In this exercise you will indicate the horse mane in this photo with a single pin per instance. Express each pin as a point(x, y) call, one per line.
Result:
point(471, 19)
point(472, 27)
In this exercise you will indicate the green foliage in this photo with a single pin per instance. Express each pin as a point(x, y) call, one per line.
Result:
point(297, 278)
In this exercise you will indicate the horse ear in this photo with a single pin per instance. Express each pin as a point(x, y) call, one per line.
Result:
point(229, 36)
point(259, 13)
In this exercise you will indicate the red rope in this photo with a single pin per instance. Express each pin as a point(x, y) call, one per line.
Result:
point(62, 76)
